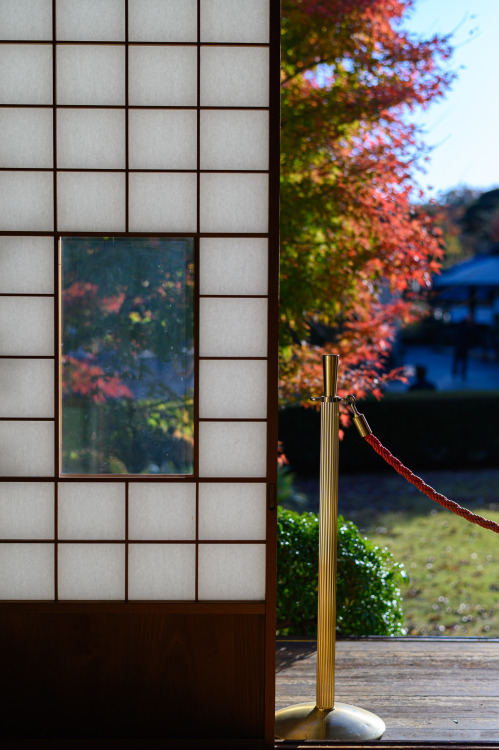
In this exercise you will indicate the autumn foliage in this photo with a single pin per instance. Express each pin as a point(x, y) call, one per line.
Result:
point(127, 342)
point(355, 252)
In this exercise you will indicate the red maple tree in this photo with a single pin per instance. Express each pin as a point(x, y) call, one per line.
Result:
point(356, 252)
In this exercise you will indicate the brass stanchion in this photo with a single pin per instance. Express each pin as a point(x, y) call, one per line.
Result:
point(325, 719)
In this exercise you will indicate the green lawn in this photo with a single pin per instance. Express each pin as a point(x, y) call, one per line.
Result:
point(453, 565)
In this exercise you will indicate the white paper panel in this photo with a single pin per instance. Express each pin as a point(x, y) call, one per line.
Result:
point(233, 389)
point(234, 76)
point(162, 202)
point(26, 571)
point(91, 510)
point(91, 139)
point(26, 19)
point(164, 76)
point(161, 571)
point(232, 571)
point(26, 138)
point(90, 20)
point(232, 449)
point(233, 265)
point(234, 203)
point(91, 201)
point(90, 74)
point(26, 201)
point(27, 326)
point(233, 327)
point(27, 388)
point(232, 511)
point(91, 571)
point(26, 510)
point(26, 265)
point(235, 21)
point(162, 20)
point(26, 449)
point(162, 511)
point(237, 139)
point(26, 74)
point(163, 139)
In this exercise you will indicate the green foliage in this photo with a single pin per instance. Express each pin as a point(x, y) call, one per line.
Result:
point(368, 598)
point(287, 494)
point(129, 436)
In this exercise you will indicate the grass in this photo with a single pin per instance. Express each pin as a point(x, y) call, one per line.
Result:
point(453, 569)
point(452, 565)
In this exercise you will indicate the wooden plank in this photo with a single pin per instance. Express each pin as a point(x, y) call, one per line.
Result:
point(425, 690)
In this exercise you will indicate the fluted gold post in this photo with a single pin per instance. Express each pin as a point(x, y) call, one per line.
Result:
point(327, 720)
point(328, 515)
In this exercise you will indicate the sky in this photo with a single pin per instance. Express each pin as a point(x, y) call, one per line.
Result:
point(463, 129)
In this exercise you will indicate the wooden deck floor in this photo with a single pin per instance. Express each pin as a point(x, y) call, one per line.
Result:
point(424, 689)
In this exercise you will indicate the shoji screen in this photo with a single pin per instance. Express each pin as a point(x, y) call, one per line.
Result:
point(148, 121)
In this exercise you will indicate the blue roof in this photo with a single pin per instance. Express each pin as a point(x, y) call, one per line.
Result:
point(482, 270)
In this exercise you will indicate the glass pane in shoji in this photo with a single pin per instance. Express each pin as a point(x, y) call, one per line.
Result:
point(237, 139)
point(91, 74)
point(90, 20)
point(26, 265)
point(26, 138)
point(91, 510)
point(26, 201)
point(162, 20)
point(91, 201)
point(162, 76)
point(127, 400)
point(162, 511)
point(27, 571)
point(162, 202)
point(232, 572)
point(234, 203)
point(232, 511)
point(233, 327)
point(91, 139)
point(235, 21)
point(26, 19)
point(233, 389)
point(232, 449)
point(27, 388)
point(27, 326)
point(26, 510)
point(163, 139)
point(91, 571)
point(26, 74)
point(26, 449)
point(234, 76)
point(233, 265)
point(161, 571)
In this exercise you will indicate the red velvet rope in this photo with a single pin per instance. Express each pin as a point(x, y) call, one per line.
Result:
point(423, 487)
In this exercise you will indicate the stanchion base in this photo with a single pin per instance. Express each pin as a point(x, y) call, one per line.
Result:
point(305, 721)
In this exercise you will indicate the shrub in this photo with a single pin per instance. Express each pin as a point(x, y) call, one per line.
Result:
point(425, 429)
point(368, 598)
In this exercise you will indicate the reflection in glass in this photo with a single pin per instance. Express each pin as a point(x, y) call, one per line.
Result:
point(127, 355)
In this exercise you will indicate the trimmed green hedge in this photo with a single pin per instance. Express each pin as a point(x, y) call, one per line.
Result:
point(424, 429)
point(368, 597)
